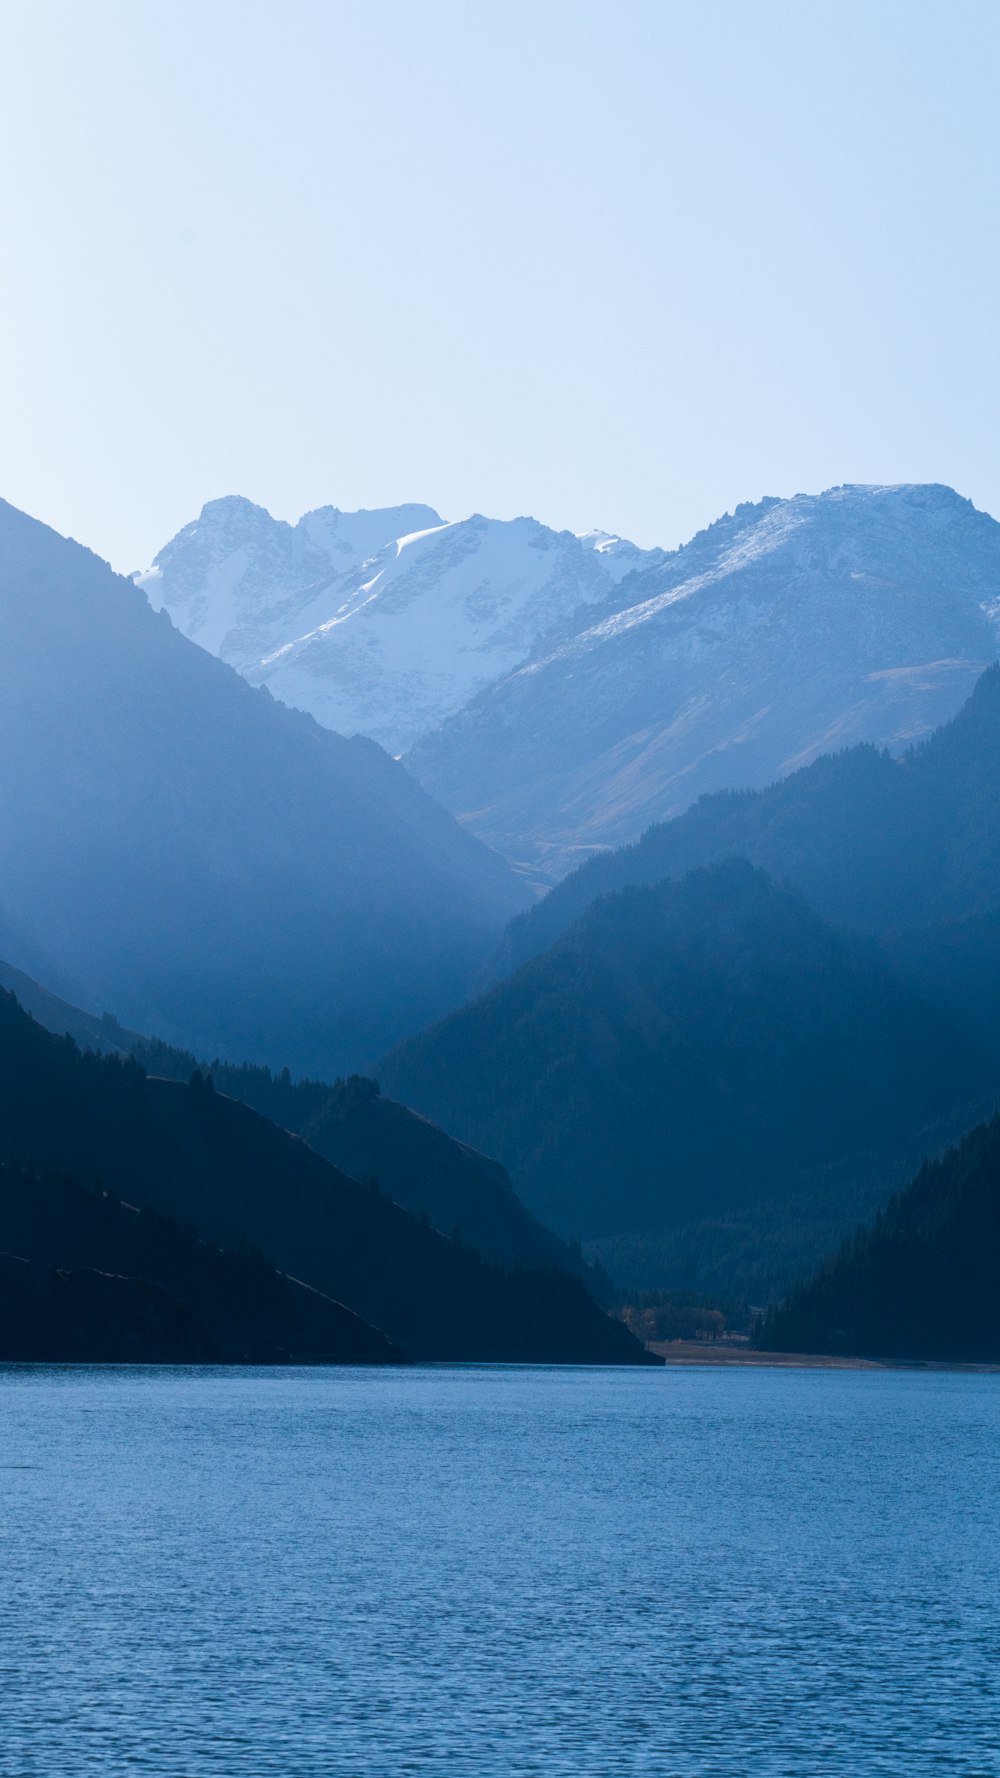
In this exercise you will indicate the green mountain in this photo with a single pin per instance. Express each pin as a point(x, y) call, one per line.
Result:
point(104, 1034)
point(216, 867)
point(922, 1281)
point(195, 1155)
point(683, 1049)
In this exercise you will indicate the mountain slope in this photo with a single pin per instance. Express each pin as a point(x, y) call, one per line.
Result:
point(923, 1281)
point(381, 623)
point(785, 630)
point(210, 864)
point(908, 849)
point(351, 1124)
point(196, 1156)
point(421, 1167)
point(241, 1310)
point(51, 1315)
point(104, 1035)
point(683, 1049)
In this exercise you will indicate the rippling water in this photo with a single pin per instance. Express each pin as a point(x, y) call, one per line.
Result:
point(510, 1571)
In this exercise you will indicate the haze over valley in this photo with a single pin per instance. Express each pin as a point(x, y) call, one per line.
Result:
point(707, 1054)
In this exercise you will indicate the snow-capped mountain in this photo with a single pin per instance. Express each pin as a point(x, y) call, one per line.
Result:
point(558, 692)
point(786, 629)
point(381, 623)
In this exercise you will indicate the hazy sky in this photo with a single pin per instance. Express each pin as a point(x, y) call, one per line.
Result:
point(618, 265)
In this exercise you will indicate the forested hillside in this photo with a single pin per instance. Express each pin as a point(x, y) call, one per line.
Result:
point(681, 1050)
point(922, 1281)
point(197, 1156)
point(238, 1307)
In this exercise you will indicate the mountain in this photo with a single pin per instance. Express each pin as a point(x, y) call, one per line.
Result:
point(377, 623)
point(682, 1049)
point(219, 869)
point(104, 1034)
point(51, 1315)
point(191, 1154)
point(430, 1174)
point(350, 1123)
point(370, 1136)
point(922, 1282)
point(758, 1252)
point(905, 848)
point(170, 1297)
point(785, 630)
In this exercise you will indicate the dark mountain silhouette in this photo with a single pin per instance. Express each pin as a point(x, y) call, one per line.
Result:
point(874, 842)
point(190, 1152)
point(214, 866)
point(50, 1315)
point(351, 1124)
point(104, 1034)
point(245, 1310)
point(922, 1282)
point(682, 1049)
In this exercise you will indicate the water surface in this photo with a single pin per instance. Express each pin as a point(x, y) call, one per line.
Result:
point(367, 1574)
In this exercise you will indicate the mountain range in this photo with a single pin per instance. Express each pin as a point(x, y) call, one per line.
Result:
point(562, 1065)
point(706, 1051)
point(217, 868)
point(351, 1123)
point(560, 693)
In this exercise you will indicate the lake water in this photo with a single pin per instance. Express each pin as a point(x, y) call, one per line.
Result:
point(499, 1571)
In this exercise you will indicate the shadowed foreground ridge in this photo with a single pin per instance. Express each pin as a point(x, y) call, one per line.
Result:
point(189, 1152)
point(240, 1309)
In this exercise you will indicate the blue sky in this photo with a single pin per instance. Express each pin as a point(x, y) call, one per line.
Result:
point(613, 265)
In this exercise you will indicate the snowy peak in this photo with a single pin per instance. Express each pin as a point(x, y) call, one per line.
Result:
point(561, 691)
point(786, 629)
point(350, 538)
point(382, 623)
point(237, 580)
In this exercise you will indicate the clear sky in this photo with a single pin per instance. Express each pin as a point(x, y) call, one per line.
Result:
point(619, 264)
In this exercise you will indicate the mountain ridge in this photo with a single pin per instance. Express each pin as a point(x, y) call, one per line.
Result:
point(220, 869)
point(871, 841)
point(197, 1157)
point(681, 1049)
point(781, 631)
point(392, 638)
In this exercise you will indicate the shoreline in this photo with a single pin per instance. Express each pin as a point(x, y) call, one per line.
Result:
point(718, 1355)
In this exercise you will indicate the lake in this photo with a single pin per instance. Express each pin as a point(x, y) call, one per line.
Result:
point(488, 1570)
